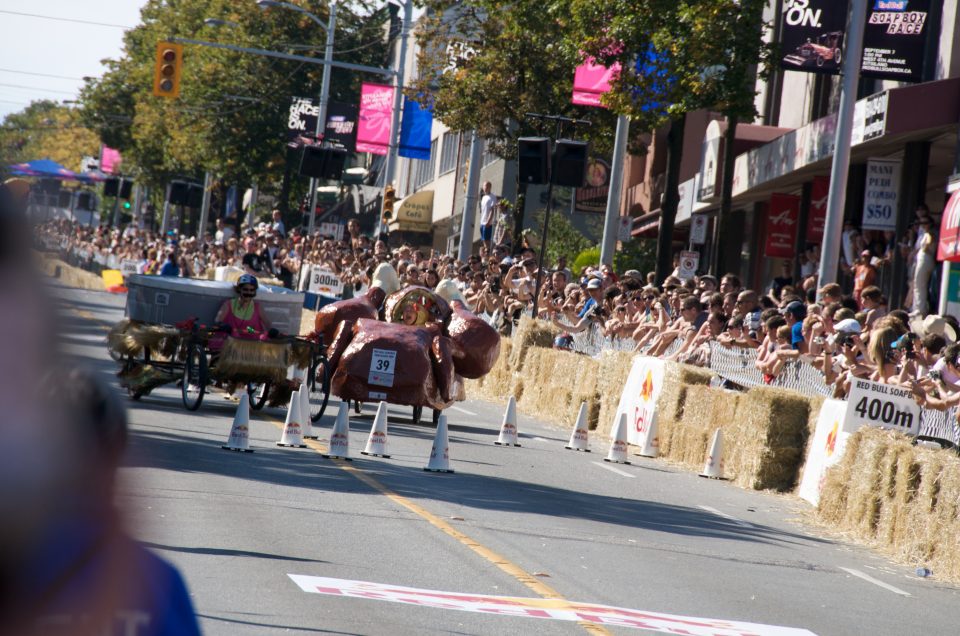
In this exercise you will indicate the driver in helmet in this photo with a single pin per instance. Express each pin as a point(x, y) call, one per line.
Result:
point(243, 315)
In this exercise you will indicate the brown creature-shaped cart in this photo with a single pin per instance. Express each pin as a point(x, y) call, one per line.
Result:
point(414, 347)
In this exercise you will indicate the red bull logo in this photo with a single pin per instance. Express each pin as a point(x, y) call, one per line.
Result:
point(646, 390)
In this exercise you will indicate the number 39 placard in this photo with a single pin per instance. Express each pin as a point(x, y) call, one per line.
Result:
point(383, 364)
point(883, 406)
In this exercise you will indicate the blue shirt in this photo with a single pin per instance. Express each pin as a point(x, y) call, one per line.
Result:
point(796, 334)
point(587, 307)
point(169, 269)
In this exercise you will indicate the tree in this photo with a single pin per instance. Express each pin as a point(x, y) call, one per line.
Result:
point(46, 130)
point(520, 66)
point(231, 116)
point(676, 56)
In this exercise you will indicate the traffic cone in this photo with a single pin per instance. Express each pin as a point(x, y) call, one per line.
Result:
point(651, 443)
point(340, 437)
point(508, 430)
point(292, 429)
point(239, 439)
point(440, 453)
point(713, 468)
point(618, 443)
point(377, 441)
point(579, 439)
point(304, 393)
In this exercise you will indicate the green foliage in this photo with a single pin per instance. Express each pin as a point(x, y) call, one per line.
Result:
point(563, 239)
point(589, 257)
point(521, 66)
point(46, 130)
point(638, 254)
point(231, 116)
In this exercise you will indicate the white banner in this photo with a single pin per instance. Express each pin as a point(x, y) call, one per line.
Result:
point(881, 405)
point(549, 608)
point(825, 449)
point(880, 195)
point(324, 281)
point(128, 267)
point(331, 229)
point(639, 398)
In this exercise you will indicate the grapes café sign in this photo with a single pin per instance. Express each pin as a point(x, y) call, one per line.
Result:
point(882, 406)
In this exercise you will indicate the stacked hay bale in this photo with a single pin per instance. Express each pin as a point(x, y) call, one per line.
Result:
point(557, 383)
point(767, 439)
point(671, 404)
point(902, 499)
point(498, 384)
point(530, 333)
point(612, 374)
point(685, 439)
point(72, 276)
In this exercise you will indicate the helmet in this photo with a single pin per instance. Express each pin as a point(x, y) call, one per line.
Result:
point(247, 279)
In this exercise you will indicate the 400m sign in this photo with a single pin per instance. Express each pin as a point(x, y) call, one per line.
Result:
point(882, 406)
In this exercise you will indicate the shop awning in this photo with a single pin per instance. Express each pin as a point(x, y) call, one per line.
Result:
point(414, 213)
point(949, 249)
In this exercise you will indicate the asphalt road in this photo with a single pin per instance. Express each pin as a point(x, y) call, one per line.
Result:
point(524, 522)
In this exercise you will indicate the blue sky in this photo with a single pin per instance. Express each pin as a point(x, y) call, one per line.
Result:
point(54, 47)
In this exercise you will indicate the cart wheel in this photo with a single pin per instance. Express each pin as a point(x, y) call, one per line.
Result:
point(194, 384)
point(436, 417)
point(837, 56)
point(357, 407)
point(820, 61)
point(114, 355)
point(134, 395)
point(319, 389)
point(417, 414)
point(258, 394)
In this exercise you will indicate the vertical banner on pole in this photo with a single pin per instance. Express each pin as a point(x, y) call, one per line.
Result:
point(415, 130)
point(818, 209)
point(373, 130)
point(591, 81)
point(880, 198)
point(782, 218)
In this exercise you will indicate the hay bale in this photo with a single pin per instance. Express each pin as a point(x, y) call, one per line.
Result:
point(530, 333)
point(559, 382)
point(671, 403)
point(685, 440)
point(766, 438)
point(612, 373)
point(120, 340)
point(850, 497)
point(253, 361)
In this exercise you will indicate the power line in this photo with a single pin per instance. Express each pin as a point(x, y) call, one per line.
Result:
point(10, 70)
point(70, 20)
point(37, 88)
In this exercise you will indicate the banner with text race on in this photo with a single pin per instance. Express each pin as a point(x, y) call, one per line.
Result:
point(376, 115)
point(639, 397)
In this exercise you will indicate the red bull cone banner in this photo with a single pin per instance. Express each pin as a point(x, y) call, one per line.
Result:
point(639, 397)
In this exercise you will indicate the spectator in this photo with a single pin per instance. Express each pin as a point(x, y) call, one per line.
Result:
point(170, 267)
point(488, 205)
point(277, 225)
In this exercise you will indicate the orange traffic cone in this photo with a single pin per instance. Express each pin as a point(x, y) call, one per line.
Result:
point(579, 439)
point(239, 439)
point(440, 453)
point(377, 441)
point(508, 430)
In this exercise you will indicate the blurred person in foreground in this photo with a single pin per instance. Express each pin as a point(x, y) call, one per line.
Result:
point(67, 567)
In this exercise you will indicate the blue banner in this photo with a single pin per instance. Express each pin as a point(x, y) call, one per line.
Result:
point(415, 130)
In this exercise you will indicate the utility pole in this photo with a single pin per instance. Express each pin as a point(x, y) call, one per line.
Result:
point(612, 220)
point(322, 109)
point(470, 201)
point(165, 221)
point(205, 206)
point(390, 167)
point(833, 227)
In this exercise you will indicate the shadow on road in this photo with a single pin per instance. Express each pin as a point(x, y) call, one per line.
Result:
point(229, 553)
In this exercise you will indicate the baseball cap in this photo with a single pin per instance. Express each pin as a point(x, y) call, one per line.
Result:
point(797, 308)
point(594, 284)
point(709, 277)
point(632, 273)
point(848, 325)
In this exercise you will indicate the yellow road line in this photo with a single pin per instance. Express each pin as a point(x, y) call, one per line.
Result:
point(509, 567)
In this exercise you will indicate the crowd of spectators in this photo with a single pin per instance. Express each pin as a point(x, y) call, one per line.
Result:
point(843, 335)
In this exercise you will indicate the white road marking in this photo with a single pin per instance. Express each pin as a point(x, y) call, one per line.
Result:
point(615, 470)
point(464, 411)
point(870, 579)
point(739, 522)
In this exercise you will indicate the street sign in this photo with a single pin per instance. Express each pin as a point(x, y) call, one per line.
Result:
point(325, 281)
point(698, 229)
point(625, 229)
point(689, 262)
point(883, 406)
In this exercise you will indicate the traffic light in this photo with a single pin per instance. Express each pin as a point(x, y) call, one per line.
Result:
point(166, 72)
point(389, 200)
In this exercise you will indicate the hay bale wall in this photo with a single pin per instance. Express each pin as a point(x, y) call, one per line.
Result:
point(611, 376)
point(72, 276)
point(901, 499)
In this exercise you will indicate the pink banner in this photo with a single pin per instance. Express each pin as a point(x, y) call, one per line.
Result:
point(591, 81)
point(110, 160)
point(376, 115)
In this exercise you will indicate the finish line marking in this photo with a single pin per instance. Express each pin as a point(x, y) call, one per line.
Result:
point(552, 609)
point(877, 582)
point(739, 522)
point(612, 469)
